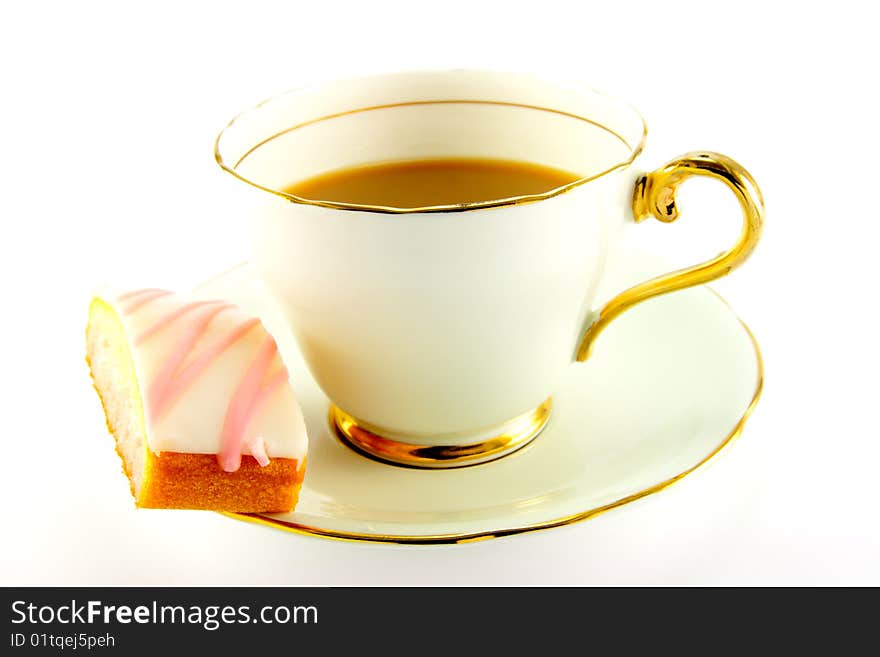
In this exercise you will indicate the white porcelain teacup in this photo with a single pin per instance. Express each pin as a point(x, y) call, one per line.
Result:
point(440, 333)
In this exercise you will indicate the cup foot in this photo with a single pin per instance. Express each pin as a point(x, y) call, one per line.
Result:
point(507, 438)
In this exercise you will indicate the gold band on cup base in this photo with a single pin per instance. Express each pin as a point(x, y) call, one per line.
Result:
point(511, 436)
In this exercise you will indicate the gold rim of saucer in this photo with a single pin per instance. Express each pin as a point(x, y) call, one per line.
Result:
point(368, 441)
point(474, 537)
point(230, 168)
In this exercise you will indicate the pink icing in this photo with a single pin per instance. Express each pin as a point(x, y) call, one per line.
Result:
point(254, 390)
point(165, 386)
point(264, 376)
point(137, 293)
point(170, 317)
point(141, 298)
point(258, 450)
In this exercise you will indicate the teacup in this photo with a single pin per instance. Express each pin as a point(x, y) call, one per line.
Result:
point(440, 333)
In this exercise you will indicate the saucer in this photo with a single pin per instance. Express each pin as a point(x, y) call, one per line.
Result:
point(669, 387)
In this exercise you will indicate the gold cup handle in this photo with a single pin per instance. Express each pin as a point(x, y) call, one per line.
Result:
point(654, 194)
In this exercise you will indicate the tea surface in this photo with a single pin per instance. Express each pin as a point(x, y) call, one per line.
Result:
point(422, 183)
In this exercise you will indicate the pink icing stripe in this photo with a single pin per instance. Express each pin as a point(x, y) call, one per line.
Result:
point(170, 317)
point(257, 443)
point(137, 293)
point(275, 381)
point(143, 299)
point(162, 385)
point(258, 450)
point(248, 399)
point(185, 376)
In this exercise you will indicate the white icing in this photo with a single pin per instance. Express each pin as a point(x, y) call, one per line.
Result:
point(193, 423)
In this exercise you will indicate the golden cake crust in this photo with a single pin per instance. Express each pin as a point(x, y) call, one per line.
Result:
point(173, 480)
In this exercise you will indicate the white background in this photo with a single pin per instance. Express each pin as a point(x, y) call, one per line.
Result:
point(106, 175)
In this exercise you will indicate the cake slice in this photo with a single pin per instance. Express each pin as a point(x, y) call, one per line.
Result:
point(198, 401)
